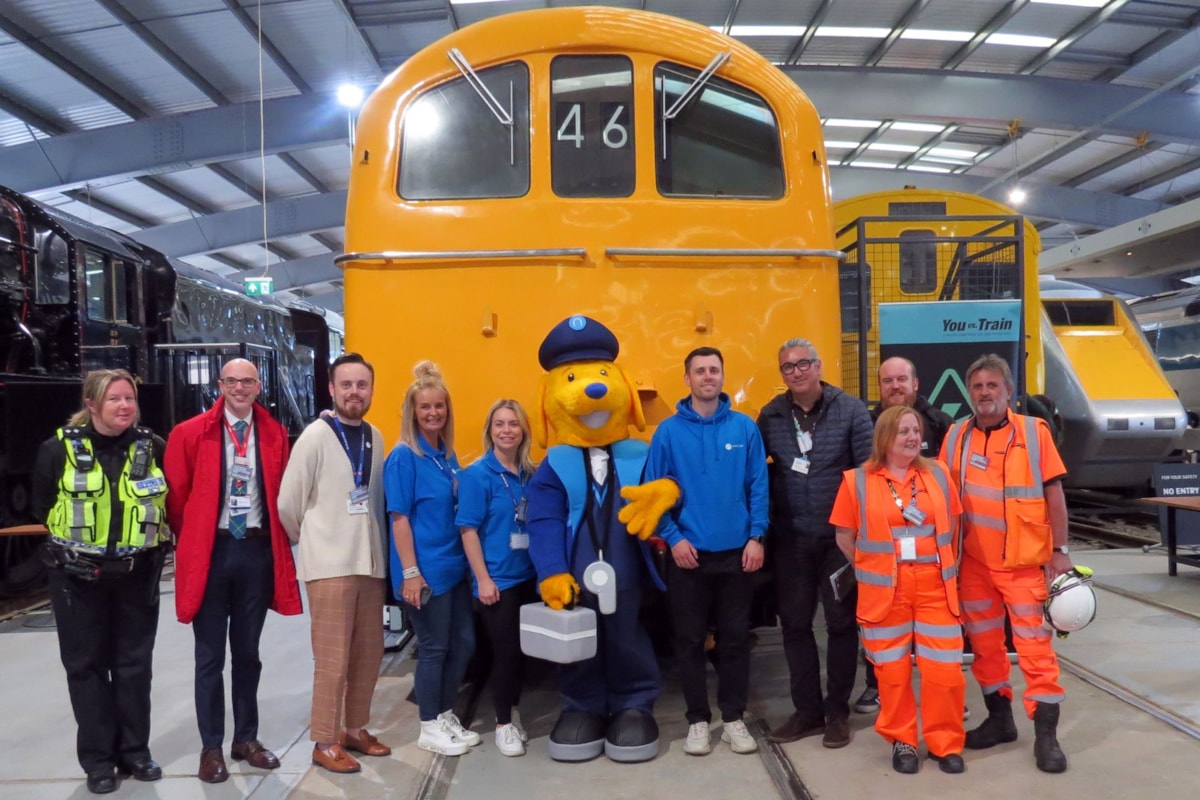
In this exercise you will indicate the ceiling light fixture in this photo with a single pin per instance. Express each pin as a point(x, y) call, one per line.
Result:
point(350, 95)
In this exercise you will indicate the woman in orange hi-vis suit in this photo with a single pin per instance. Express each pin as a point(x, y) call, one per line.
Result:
point(897, 522)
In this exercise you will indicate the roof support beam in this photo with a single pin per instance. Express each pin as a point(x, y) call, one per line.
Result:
point(303, 272)
point(1093, 21)
point(1130, 155)
point(991, 26)
point(252, 27)
point(230, 228)
point(810, 30)
point(914, 10)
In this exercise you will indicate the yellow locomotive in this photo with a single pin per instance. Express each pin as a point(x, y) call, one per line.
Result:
point(634, 167)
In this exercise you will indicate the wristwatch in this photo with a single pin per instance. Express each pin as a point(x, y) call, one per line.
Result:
point(1064, 549)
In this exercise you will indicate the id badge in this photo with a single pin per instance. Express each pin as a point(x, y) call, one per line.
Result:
point(978, 460)
point(241, 472)
point(518, 541)
point(522, 510)
point(804, 441)
point(239, 505)
point(148, 485)
point(800, 465)
point(359, 494)
point(908, 549)
point(914, 515)
point(357, 508)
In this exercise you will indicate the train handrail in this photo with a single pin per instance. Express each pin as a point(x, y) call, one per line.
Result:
point(698, 252)
point(460, 255)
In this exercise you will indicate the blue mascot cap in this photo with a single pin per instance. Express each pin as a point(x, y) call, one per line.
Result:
point(577, 338)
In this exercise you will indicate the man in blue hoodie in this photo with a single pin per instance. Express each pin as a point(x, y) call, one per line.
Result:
point(716, 537)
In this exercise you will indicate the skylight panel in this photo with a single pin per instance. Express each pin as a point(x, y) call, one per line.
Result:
point(927, 35)
point(851, 123)
point(764, 30)
point(1021, 40)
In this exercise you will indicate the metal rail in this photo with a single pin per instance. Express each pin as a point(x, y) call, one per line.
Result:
point(461, 255)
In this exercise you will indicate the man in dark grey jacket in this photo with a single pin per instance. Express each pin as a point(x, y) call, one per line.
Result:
point(813, 432)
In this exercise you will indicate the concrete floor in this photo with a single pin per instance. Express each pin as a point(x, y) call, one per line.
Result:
point(1115, 749)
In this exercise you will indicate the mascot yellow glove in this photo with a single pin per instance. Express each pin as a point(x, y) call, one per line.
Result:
point(559, 591)
point(647, 503)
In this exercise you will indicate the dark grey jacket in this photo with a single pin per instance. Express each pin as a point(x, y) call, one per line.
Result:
point(801, 504)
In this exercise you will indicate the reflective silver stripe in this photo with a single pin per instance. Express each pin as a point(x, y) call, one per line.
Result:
point(872, 578)
point(985, 492)
point(1027, 632)
point(984, 520)
point(1036, 492)
point(912, 531)
point(892, 654)
point(960, 431)
point(78, 518)
point(995, 687)
point(1027, 609)
point(949, 573)
point(1033, 447)
point(890, 632)
point(976, 605)
point(983, 625)
point(869, 546)
point(938, 631)
point(944, 539)
point(940, 656)
point(1048, 698)
point(860, 491)
point(929, 559)
point(80, 481)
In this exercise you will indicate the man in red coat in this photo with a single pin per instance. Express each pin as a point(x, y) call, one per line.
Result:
point(233, 559)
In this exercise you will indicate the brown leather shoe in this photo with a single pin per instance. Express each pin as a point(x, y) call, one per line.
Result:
point(335, 760)
point(212, 766)
point(796, 728)
point(254, 754)
point(366, 744)
point(837, 731)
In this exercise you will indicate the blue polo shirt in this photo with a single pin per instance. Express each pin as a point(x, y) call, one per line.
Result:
point(487, 501)
point(422, 489)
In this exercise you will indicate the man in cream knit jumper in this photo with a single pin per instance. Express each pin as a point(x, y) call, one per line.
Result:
point(330, 502)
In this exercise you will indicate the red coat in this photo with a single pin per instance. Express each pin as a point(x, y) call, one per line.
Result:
point(193, 470)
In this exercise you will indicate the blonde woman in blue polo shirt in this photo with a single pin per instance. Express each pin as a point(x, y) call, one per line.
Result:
point(428, 567)
point(491, 516)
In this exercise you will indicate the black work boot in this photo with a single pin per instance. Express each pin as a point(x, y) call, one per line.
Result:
point(1049, 755)
point(998, 728)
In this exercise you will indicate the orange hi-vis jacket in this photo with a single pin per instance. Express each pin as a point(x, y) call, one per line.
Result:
point(1002, 480)
point(877, 542)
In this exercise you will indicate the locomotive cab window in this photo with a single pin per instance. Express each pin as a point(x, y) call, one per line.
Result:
point(469, 137)
point(106, 287)
point(592, 152)
point(918, 261)
point(713, 138)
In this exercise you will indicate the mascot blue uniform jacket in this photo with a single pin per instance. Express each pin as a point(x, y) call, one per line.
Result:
point(608, 700)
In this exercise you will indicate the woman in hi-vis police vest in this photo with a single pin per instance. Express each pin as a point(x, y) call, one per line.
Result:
point(897, 523)
point(99, 487)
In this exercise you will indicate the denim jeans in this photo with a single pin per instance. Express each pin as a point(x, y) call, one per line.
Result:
point(445, 641)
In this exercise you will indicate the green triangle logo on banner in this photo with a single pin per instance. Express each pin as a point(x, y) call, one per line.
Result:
point(951, 396)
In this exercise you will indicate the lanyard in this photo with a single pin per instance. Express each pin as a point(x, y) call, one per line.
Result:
point(896, 497)
point(239, 448)
point(362, 451)
point(518, 502)
point(812, 437)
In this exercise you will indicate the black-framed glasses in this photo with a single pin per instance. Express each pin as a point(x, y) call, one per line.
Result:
point(245, 383)
point(804, 365)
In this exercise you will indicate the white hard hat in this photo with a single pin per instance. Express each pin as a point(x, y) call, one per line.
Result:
point(1071, 605)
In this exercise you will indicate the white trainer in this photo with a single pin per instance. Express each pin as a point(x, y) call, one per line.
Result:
point(508, 741)
point(697, 743)
point(516, 722)
point(437, 737)
point(737, 737)
point(467, 737)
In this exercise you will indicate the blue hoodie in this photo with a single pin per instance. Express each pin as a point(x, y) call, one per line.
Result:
point(721, 467)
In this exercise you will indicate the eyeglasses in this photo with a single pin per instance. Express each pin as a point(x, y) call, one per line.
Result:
point(245, 383)
point(803, 365)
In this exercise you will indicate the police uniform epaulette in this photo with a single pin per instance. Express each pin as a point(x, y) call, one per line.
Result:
point(74, 432)
point(143, 433)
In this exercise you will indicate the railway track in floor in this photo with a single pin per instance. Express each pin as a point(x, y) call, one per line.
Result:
point(1103, 521)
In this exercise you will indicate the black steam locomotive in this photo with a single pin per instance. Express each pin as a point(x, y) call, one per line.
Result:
point(76, 297)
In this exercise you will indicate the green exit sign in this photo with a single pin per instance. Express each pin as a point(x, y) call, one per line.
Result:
point(259, 286)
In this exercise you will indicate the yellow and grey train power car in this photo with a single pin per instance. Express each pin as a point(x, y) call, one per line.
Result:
point(1081, 347)
point(640, 169)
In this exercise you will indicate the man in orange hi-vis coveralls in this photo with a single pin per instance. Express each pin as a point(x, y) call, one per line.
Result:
point(896, 519)
point(1014, 542)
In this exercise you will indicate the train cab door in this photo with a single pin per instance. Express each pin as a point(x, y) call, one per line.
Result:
point(111, 331)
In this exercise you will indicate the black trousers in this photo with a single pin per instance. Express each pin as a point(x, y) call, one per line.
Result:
point(721, 591)
point(802, 568)
point(502, 624)
point(106, 632)
point(237, 595)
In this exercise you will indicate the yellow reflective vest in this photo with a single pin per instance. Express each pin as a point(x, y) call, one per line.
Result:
point(82, 513)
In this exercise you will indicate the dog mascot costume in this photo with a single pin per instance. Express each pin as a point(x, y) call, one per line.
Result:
point(587, 525)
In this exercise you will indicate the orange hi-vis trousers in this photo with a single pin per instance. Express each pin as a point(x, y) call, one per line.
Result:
point(985, 593)
point(920, 622)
